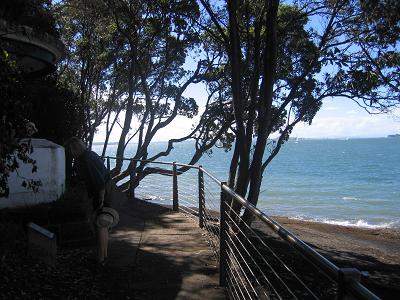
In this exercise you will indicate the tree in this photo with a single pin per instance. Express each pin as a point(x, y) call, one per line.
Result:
point(268, 67)
point(133, 62)
point(33, 13)
point(62, 116)
point(283, 60)
point(93, 66)
point(158, 37)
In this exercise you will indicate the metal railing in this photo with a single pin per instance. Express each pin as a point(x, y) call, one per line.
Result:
point(263, 260)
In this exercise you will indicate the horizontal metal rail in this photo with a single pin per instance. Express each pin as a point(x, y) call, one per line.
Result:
point(154, 162)
point(210, 175)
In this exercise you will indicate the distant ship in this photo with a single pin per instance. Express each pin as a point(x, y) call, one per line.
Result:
point(394, 135)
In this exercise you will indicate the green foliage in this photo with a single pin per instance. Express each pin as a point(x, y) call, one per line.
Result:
point(360, 53)
point(95, 66)
point(33, 13)
point(13, 111)
point(296, 49)
point(63, 113)
point(47, 102)
point(297, 67)
point(296, 53)
point(130, 56)
point(188, 107)
point(382, 18)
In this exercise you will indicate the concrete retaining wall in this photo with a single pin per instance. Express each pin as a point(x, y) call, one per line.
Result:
point(50, 161)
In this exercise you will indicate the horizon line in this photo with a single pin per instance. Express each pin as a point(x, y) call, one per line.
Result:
point(294, 137)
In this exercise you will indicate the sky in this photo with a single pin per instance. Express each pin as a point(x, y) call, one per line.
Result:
point(338, 118)
point(343, 118)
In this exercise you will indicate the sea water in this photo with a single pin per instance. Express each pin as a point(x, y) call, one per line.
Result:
point(352, 182)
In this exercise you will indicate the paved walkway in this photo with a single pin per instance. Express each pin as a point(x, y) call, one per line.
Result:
point(164, 254)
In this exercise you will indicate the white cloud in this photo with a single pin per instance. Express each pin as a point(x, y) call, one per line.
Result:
point(179, 127)
point(355, 124)
point(331, 108)
point(352, 112)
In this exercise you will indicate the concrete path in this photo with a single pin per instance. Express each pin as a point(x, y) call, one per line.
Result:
point(163, 253)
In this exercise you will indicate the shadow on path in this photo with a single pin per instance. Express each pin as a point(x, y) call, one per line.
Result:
point(160, 254)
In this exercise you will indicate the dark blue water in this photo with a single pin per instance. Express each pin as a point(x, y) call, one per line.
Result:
point(347, 182)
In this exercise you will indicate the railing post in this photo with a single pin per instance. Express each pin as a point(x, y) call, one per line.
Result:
point(175, 205)
point(223, 238)
point(132, 180)
point(201, 198)
point(346, 276)
point(108, 164)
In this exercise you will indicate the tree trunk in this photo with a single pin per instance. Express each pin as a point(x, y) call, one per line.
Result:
point(109, 129)
point(265, 113)
point(235, 56)
point(127, 121)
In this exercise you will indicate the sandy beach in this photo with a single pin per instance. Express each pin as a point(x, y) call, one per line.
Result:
point(381, 244)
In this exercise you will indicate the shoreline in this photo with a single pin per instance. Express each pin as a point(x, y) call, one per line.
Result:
point(381, 243)
point(361, 224)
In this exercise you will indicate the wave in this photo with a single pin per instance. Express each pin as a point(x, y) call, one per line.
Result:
point(346, 223)
point(360, 223)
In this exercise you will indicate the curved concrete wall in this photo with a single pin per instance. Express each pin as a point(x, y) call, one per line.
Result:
point(50, 161)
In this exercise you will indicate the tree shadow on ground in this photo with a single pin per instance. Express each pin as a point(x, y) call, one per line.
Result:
point(76, 276)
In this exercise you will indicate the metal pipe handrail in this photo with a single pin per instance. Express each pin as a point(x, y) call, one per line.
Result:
point(154, 161)
point(210, 175)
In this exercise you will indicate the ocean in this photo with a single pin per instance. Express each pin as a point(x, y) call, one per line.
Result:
point(349, 182)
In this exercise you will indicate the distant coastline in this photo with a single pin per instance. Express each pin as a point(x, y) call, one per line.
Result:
point(97, 143)
point(101, 143)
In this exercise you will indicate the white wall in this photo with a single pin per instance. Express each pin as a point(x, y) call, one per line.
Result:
point(50, 162)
